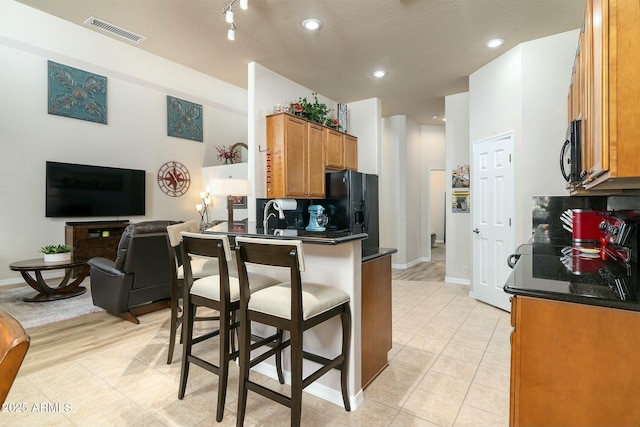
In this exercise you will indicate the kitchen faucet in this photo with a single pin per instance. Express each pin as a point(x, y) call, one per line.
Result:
point(266, 215)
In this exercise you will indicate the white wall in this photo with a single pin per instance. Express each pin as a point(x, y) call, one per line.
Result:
point(525, 91)
point(135, 136)
point(402, 191)
point(458, 225)
point(364, 121)
point(433, 158)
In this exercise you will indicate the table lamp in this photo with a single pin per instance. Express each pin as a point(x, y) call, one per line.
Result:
point(230, 187)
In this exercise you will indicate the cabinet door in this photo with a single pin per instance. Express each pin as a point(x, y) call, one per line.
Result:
point(295, 157)
point(350, 152)
point(335, 149)
point(597, 144)
point(315, 161)
point(574, 364)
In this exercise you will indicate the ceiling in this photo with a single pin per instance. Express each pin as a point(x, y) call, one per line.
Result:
point(428, 47)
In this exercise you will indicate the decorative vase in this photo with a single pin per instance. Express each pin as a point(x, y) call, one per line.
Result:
point(63, 257)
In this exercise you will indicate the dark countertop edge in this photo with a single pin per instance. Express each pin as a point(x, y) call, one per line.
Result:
point(381, 253)
point(304, 239)
point(576, 299)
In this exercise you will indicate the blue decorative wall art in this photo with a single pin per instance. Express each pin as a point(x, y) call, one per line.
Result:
point(77, 93)
point(184, 119)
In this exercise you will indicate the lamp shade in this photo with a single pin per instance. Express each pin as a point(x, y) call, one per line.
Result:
point(230, 187)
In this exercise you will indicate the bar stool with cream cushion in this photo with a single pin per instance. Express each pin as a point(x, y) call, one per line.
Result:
point(294, 306)
point(201, 267)
point(220, 292)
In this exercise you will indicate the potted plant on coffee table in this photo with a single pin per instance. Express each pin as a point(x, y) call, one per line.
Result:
point(56, 253)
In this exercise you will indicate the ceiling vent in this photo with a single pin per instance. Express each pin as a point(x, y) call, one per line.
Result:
point(115, 30)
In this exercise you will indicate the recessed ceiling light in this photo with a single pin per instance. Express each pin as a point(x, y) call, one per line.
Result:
point(379, 74)
point(494, 43)
point(311, 24)
point(434, 117)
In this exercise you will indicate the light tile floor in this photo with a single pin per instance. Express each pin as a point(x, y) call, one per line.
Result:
point(449, 366)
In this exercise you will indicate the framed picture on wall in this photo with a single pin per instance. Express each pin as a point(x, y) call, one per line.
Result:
point(239, 202)
point(461, 202)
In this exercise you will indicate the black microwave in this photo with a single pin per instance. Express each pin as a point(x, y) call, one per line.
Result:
point(570, 155)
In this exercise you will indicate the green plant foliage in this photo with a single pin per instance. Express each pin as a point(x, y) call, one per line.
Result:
point(56, 249)
point(314, 111)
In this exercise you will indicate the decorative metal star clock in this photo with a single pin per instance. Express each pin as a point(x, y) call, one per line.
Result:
point(174, 179)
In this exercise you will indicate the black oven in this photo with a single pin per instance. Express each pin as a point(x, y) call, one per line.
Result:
point(570, 155)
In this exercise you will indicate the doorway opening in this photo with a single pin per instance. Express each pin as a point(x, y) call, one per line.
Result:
point(438, 204)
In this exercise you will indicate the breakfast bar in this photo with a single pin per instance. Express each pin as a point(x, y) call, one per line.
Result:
point(333, 258)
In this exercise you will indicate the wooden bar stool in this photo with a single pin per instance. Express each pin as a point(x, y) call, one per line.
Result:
point(200, 267)
point(293, 306)
point(219, 292)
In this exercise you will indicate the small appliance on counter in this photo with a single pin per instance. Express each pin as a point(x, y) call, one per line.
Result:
point(317, 218)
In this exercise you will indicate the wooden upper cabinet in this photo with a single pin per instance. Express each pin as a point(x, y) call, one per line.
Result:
point(342, 150)
point(350, 152)
point(611, 89)
point(335, 149)
point(315, 162)
point(295, 158)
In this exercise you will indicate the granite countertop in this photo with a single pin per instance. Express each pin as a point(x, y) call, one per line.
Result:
point(249, 228)
point(329, 237)
point(575, 275)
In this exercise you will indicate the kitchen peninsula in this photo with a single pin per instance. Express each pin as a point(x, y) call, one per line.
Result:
point(335, 258)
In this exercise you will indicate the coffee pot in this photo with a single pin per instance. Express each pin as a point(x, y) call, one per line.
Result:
point(317, 219)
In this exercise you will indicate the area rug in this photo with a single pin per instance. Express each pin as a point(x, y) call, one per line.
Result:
point(33, 314)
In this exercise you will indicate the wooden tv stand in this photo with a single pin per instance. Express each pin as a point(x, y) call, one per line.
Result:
point(93, 239)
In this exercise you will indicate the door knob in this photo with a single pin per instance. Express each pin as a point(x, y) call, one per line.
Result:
point(475, 230)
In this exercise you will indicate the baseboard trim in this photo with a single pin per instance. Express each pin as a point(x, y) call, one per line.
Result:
point(316, 389)
point(457, 281)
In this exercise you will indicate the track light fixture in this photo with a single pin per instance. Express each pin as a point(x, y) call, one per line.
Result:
point(231, 34)
point(228, 15)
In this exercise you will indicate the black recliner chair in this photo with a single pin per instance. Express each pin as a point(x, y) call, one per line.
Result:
point(140, 278)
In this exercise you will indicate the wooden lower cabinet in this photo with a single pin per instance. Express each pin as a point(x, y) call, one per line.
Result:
point(376, 317)
point(573, 364)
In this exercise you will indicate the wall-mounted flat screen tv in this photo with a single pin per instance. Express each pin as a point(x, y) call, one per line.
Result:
point(74, 190)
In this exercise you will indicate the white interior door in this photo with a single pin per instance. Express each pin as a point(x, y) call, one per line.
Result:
point(492, 202)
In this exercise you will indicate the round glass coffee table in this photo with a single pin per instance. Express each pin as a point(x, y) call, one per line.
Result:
point(31, 271)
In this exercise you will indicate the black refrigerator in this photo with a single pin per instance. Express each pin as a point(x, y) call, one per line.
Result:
point(352, 204)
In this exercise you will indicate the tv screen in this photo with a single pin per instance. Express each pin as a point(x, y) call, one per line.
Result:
point(90, 191)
